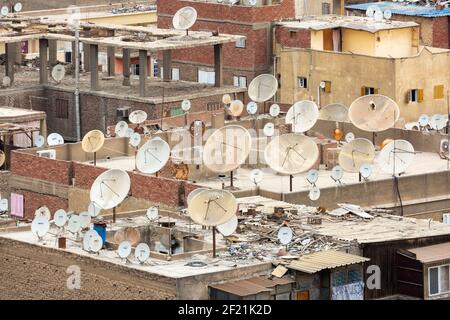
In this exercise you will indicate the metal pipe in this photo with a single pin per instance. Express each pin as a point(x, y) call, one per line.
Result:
point(77, 82)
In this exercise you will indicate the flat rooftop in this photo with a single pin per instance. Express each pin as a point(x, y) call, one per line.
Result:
point(317, 23)
point(404, 8)
point(8, 114)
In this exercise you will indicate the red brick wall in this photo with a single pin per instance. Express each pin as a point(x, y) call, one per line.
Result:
point(85, 174)
point(28, 165)
point(33, 201)
point(441, 32)
point(297, 39)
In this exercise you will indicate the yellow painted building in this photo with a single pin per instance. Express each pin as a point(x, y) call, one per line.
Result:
point(386, 61)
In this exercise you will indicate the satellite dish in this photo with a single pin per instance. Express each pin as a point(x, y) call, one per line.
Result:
point(370, 11)
point(95, 243)
point(302, 115)
point(39, 141)
point(314, 193)
point(85, 219)
point(43, 212)
point(152, 213)
point(124, 249)
point(3, 204)
point(312, 176)
point(212, 207)
point(152, 156)
point(93, 209)
point(263, 87)
point(285, 235)
point(137, 116)
point(334, 112)
point(60, 218)
point(73, 225)
point(93, 141)
point(252, 107)
point(58, 72)
point(127, 233)
point(396, 157)
point(349, 137)
point(387, 14)
point(226, 99)
point(291, 153)
point(236, 108)
point(256, 176)
point(2, 158)
point(253, 2)
point(135, 139)
point(438, 121)
point(40, 226)
point(18, 7)
point(193, 193)
point(227, 148)
point(142, 252)
point(374, 113)
point(110, 188)
point(184, 18)
point(229, 227)
point(337, 173)
point(269, 129)
point(424, 120)
point(186, 105)
point(87, 239)
point(356, 153)
point(6, 81)
point(4, 11)
point(365, 170)
point(378, 15)
point(274, 110)
point(129, 132)
point(121, 128)
point(54, 139)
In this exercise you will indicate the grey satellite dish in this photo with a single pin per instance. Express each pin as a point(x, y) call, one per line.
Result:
point(142, 252)
point(4, 205)
point(438, 121)
point(349, 137)
point(387, 14)
point(93, 209)
point(124, 249)
point(85, 219)
point(274, 110)
point(312, 176)
point(137, 116)
point(55, 139)
point(184, 18)
point(95, 243)
point(285, 235)
point(110, 188)
point(263, 87)
point(40, 226)
point(314, 193)
point(73, 225)
point(135, 139)
point(396, 157)
point(87, 238)
point(424, 120)
point(152, 213)
point(18, 7)
point(228, 228)
point(129, 132)
point(252, 107)
point(378, 16)
point(43, 211)
point(58, 72)
point(269, 129)
point(256, 176)
point(365, 170)
point(6, 81)
point(4, 11)
point(152, 156)
point(337, 173)
point(60, 218)
point(186, 105)
point(121, 128)
point(39, 141)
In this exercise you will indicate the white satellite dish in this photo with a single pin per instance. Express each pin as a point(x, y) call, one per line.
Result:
point(142, 252)
point(129, 132)
point(350, 136)
point(193, 193)
point(256, 176)
point(152, 213)
point(285, 235)
point(274, 110)
point(314, 193)
point(60, 218)
point(124, 249)
point(228, 228)
point(110, 188)
point(3, 204)
point(378, 15)
point(212, 207)
point(85, 219)
point(396, 157)
point(184, 18)
point(371, 10)
point(4, 10)
point(43, 212)
point(387, 14)
point(58, 72)
point(226, 99)
point(355, 153)
point(18, 7)
point(438, 121)
point(302, 115)
point(55, 139)
point(39, 141)
point(93, 209)
point(137, 116)
point(186, 105)
point(135, 139)
point(337, 173)
point(121, 128)
point(365, 170)
point(152, 156)
point(269, 129)
point(262, 88)
point(87, 239)
point(95, 243)
point(312, 176)
point(252, 107)
point(236, 108)
point(253, 2)
point(40, 226)
point(73, 225)
point(424, 120)
point(6, 81)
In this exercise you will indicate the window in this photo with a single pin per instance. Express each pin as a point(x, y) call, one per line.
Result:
point(240, 81)
point(241, 43)
point(415, 95)
point(446, 218)
point(302, 82)
point(176, 111)
point(62, 108)
point(205, 76)
point(175, 74)
point(135, 69)
point(326, 8)
point(325, 86)
point(213, 106)
point(368, 90)
point(439, 91)
point(292, 33)
point(438, 280)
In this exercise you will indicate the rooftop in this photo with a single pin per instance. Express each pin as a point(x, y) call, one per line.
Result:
point(404, 8)
point(350, 22)
point(432, 253)
point(8, 114)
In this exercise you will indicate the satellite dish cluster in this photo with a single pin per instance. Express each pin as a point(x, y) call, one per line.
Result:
point(377, 14)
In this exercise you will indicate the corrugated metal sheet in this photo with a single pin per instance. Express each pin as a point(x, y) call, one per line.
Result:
point(253, 286)
point(314, 262)
point(432, 253)
point(403, 9)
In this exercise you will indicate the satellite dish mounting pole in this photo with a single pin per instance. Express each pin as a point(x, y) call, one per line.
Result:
point(114, 214)
point(448, 127)
point(231, 179)
point(95, 159)
point(291, 178)
point(214, 241)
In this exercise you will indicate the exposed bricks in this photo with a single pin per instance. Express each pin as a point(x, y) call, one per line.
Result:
point(293, 39)
point(85, 175)
point(33, 201)
point(441, 32)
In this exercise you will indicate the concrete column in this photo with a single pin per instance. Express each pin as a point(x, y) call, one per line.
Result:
point(126, 67)
point(218, 73)
point(18, 57)
point(86, 56)
point(43, 127)
point(93, 64)
point(111, 52)
point(10, 60)
point(52, 52)
point(73, 58)
point(142, 72)
point(43, 61)
point(167, 65)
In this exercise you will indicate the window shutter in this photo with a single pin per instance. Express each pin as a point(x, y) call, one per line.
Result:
point(363, 91)
point(376, 90)
point(439, 91)
point(327, 86)
point(419, 95)
point(408, 96)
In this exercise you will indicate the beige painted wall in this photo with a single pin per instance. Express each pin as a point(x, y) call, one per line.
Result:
point(310, 7)
point(359, 42)
point(396, 43)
